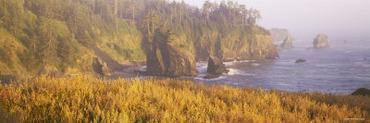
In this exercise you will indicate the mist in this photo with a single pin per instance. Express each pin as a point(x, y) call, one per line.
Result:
point(339, 19)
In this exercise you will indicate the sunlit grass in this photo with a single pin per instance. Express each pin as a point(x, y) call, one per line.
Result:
point(167, 100)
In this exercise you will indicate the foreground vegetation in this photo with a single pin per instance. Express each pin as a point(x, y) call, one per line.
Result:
point(167, 100)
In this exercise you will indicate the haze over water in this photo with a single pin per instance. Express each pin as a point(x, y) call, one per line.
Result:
point(307, 18)
point(340, 69)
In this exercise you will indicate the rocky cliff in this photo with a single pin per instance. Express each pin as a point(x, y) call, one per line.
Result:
point(256, 46)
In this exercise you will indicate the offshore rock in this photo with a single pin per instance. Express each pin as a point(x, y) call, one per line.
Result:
point(215, 66)
point(288, 43)
point(164, 59)
point(300, 61)
point(321, 41)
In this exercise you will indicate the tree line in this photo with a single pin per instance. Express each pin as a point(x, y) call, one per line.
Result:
point(54, 33)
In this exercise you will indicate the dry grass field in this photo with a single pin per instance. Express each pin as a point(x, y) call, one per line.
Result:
point(87, 99)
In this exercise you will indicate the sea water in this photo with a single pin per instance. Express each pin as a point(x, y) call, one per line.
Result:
point(340, 69)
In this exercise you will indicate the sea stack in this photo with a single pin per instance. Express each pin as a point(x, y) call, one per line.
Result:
point(215, 66)
point(171, 62)
point(288, 43)
point(321, 41)
point(166, 59)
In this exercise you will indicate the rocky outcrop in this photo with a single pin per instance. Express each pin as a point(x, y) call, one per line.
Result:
point(321, 41)
point(215, 66)
point(169, 61)
point(97, 67)
point(100, 67)
point(300, 61)
point(166, 59)
point(287, 44)
point(279, 34)
point(362, 91)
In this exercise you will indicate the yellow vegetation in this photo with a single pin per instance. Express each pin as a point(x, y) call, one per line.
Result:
point(86, 99)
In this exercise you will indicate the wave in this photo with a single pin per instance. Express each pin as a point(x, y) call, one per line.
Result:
point(235, 72)
point(202, 67)
point(231, 63)
point(201, 77)
point(143, 68)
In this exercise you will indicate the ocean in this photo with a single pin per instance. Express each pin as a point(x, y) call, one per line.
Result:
point(340, 69)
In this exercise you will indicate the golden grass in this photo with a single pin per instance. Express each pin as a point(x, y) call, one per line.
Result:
point(86, 99)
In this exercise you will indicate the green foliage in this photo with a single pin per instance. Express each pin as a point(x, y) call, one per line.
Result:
point(55, 32)
point(46, 99)
point(219, 30)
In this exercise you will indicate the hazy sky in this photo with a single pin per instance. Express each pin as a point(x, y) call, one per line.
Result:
point(307, 18)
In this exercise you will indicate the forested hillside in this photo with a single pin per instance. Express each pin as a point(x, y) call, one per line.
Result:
point(61, 36)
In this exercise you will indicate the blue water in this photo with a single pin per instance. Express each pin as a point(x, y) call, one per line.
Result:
point(340, 69)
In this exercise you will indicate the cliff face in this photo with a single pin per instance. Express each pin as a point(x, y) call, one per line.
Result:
point(253, 47)
point(237, 44)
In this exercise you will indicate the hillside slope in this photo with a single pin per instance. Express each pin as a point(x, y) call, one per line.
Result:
point(61, 37)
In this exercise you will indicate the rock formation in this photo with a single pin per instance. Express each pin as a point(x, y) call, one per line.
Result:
point(98, 67)
point(215, 66)
point(166, 59)
point(287, 44)
point(279, 34)
point(321, 41)
point(300, 61)
point(362, 91)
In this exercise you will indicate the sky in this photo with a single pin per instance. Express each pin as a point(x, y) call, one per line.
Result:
point(307, 18)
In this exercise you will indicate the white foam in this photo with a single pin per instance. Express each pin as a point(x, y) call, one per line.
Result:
point(234, 72)
point(201, 77)
point(235, 62)
point(202, 67)
point(230, 63)
point(142, 69)
point(255, 64)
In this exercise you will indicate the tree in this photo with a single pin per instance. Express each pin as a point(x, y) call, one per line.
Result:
point(12, 15)
point(244, 13)
point(254, 15)
point(207, 10)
